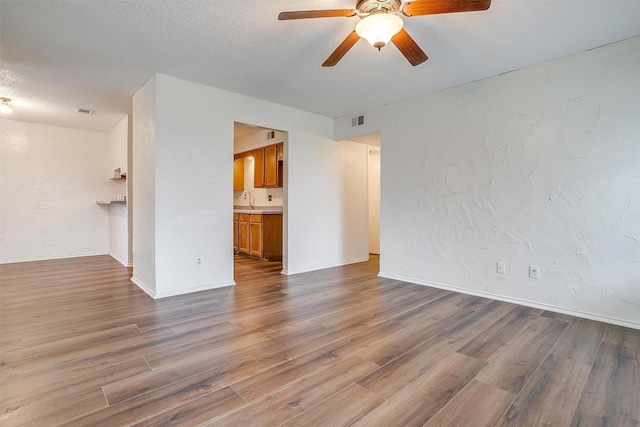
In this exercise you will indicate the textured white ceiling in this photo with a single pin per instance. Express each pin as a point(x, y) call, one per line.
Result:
point(58, 55)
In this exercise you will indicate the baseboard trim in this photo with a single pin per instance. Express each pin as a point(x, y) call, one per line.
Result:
point(120, 260)
point(290, 273)
point(192, 290)
point(155, 295)
point(526, 303)
point(139, 283)
point(13, 261)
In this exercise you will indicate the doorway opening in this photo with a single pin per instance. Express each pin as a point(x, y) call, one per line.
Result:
point(259, 205)
point(372, 141)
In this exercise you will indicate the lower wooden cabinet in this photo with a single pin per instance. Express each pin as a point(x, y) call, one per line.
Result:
point(235, 233)
point(260, 235)
point(255, 236)
point(243, 234)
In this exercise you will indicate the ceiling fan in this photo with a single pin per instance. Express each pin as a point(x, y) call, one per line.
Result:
point(381, 22)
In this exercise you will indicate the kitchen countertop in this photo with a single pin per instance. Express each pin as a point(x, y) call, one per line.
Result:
point(258, 210)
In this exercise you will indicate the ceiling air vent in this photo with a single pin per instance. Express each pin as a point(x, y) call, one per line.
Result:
point(84, 111)
point(357, 121)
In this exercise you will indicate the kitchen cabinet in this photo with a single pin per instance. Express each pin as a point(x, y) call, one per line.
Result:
point(267, 171)
point(260, 235)
point(243, 233)
point(238, 174)
point(258, 168)
point(255, 235)
point(236, 246)
point(270, 166)
point(280, 147)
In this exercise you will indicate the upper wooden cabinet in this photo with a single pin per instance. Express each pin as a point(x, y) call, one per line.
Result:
point(280, 147)
point(270, 166)
point(267, 172)
point(238, 174)
point(258, 168)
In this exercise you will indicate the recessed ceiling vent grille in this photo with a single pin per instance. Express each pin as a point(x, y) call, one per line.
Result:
point(357, 121)
point(84, 111)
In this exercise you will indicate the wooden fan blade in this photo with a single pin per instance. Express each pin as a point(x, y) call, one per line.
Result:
point(432, 7)
point(341, 50)
point(409, 48)
point(328, 13)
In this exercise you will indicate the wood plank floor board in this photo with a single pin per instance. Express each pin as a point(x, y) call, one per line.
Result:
point(551, 396)
point(180, 377)
point(80, 345)
point(610, 396)
point(340, 409)
point(417, 403)
point(197, 411)
point(512, 367)
point(58, 409)
point(294, 397)
point(401, 371)
point(486, 344)
point(129, 401)
point(392, 346)
point(21, 391)
point(478, 404)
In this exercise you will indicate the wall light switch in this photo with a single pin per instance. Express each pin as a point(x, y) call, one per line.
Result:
point(501, 268)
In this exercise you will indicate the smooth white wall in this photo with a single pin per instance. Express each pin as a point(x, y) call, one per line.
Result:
point(143, 188)
point(540, 166)
point(49, 180)
point(193, 161)
point(327, 194)
point(118, 221)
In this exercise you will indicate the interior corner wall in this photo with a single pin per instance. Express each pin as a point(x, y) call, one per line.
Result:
point(540, 166)
point(50, 178)
point(143, 188)
point(118, 216)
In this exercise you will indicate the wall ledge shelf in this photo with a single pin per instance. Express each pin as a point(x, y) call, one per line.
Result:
point(111, 202)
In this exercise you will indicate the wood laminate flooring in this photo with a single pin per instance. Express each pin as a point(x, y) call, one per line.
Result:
point(83, 346)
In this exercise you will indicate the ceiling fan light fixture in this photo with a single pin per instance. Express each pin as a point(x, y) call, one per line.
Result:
point(6, 106)
point(378, 28)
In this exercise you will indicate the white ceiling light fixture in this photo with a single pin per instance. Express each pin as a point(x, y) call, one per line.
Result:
point(378, 28)
point(6, 106)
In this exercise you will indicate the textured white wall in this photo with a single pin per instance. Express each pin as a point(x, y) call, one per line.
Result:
point(539, 166)
point(50, 179)
point(118, 223)
point(143, 188)
point(193, 134)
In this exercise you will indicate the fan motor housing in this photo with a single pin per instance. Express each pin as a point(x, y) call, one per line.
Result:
point(373, 6)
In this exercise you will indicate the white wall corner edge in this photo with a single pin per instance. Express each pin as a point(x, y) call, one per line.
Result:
point(526, 303)
point(309, 270)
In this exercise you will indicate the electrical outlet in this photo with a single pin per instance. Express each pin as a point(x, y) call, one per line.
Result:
point(198, 262)
point(501, 268)
point(270, 197)
point(534, 271)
